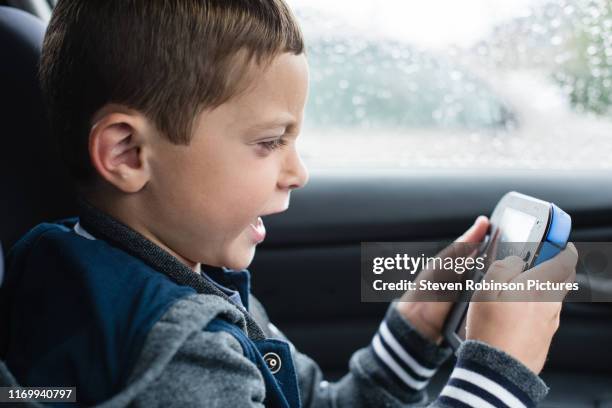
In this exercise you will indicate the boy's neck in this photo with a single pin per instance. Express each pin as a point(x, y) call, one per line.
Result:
point(124, 215)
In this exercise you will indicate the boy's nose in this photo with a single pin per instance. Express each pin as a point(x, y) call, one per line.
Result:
point(294, 175)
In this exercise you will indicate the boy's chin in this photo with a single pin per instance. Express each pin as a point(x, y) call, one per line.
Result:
point(240, 259)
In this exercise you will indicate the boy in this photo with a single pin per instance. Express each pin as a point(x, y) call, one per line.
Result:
point(179, 120)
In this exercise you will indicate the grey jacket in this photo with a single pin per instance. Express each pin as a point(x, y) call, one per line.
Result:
point(183, 366)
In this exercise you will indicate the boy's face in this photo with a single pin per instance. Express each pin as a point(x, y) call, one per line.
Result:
point(203, 201)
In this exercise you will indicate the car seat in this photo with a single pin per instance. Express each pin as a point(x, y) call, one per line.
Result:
point(35, 185)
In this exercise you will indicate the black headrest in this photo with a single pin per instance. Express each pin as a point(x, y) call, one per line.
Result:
point(34, 185)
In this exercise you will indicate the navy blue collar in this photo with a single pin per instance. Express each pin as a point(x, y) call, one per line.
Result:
point(230, 281)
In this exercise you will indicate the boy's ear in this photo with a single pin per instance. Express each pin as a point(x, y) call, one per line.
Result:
point(118, 146)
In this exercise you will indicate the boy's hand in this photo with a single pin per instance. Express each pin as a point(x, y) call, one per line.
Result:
point(428, 317)
point(522, 329)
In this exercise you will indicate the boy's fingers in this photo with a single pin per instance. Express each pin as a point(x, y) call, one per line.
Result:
point(558, 269)
point(570, 279)
point(476, 232)
point(457, 250)
point(500, 271)
point(505, 270)
point(466, 244)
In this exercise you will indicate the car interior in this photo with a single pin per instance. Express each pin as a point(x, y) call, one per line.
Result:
point(307, 273)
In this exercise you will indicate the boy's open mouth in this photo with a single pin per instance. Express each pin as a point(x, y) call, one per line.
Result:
point(258, 230)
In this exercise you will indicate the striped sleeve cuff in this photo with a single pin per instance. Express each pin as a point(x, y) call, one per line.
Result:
point(485, 377)
point(407, 357)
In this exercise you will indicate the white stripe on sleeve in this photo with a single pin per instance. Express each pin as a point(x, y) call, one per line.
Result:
point(384, 355)
point(488, 385)
point(401, 352)
point(465, 397)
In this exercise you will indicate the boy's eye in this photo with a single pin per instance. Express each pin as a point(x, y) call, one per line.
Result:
point(273, 144)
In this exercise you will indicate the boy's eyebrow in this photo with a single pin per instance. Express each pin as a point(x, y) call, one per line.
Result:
point(274, 124)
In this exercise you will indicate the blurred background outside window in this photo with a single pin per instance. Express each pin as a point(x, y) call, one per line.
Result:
point(487, 84)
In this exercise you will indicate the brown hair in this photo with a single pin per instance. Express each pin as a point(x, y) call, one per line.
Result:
point(168, 59)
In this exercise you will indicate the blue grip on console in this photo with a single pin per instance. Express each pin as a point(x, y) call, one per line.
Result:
point(557, 236)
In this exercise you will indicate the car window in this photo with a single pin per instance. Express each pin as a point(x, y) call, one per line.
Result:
point(522, 84)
